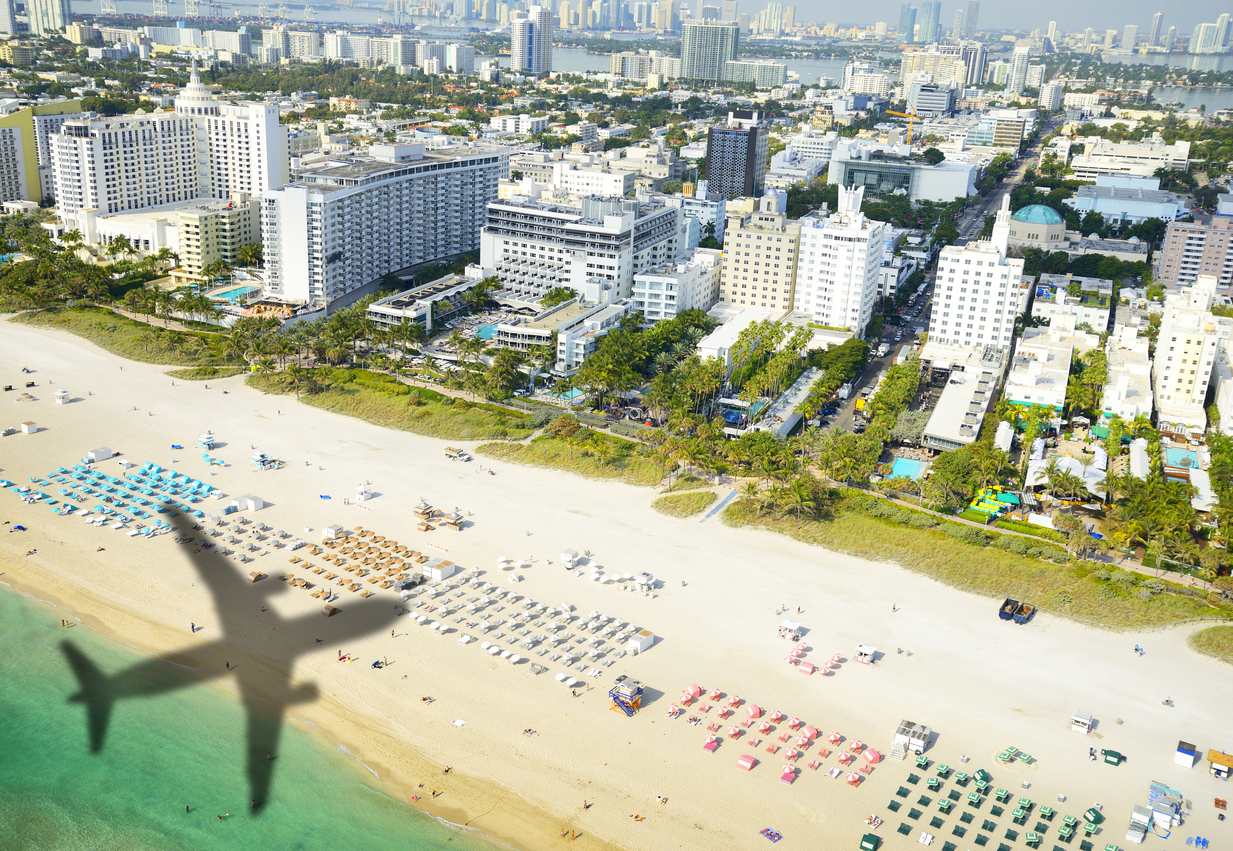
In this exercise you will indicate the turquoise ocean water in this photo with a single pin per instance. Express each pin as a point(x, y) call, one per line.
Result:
point(163, 753)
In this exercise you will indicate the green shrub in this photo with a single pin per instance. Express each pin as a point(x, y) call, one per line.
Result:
point(1124, 577)
point(966, 534)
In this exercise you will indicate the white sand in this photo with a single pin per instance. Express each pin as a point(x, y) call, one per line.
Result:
point(981, 683)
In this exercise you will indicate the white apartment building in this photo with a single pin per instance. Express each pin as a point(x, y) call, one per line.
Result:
point(1040, 369)
point(594, 248)
point(691, 283)
point(1187, 346)
point(345, 46)
point(567, 177)
point(1091, 307)
point(978, 291)
point(788, 168)
point(1140, 159)
point(760, 255)
point(811, 144)
point(124, 162)
point(244, 146)
point(839, 266)
point(460, 58)
point(522, 124)
point(205, 149)
point(331, 236)
point(1128, 392)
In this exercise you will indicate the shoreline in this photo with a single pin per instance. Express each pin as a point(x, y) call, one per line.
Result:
point(326, 721)
point(714, 615)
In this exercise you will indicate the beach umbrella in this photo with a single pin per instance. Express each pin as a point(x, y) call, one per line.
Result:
point(809, 732)
point(789, 769)
point(834, 738)
point(801, 647)
point(724, 712)
point(801, 741)
point(794, 722)
point(854, 778)
point(764, 727)
point(795, 654)
point(856, 746)
point(754, 710)
point(789, 660)
point(733, 732)
point(674, 708)
point(845, 758)
point(710, 740)
point(686, 697)
point(734, 701)
point(792, 753)
point(776, 715)
point(715, 694)
point(836, 658)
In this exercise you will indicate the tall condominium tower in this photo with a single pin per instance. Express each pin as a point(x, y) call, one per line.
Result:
point(1153, 37)
point(907, 22)
point(48, 17)
point(1129, 36)
point(531, 41)
point(931, 13)
point(706, 46)
point(969, 22)
point(736, 156)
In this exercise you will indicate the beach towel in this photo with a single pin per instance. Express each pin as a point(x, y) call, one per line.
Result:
point(772, 835)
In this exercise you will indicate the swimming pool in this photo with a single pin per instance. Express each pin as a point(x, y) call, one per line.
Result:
point(486, 332)
point(234, 294)
point(1175, 456)
point(908, 468)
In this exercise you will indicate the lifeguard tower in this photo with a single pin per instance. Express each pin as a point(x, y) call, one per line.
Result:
point(363, 492)
point(206, 441)
point(626, 694)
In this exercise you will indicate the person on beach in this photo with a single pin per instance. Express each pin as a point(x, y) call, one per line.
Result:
point(192, 627)
point(223, 816)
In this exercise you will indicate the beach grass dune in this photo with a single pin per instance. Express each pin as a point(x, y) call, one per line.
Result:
point(1071, 591)
point(384, 401)
point(683, 504)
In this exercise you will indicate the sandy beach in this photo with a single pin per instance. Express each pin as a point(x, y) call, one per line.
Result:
point(981, 683)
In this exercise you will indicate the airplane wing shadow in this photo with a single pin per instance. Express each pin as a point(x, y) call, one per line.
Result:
point(266, 687)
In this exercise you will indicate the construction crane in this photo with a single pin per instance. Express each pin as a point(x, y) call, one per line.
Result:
point(912, 117)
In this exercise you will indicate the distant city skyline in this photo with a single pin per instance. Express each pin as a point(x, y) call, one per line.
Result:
point(1070, 16)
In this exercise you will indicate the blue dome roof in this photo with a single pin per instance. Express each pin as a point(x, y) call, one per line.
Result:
point(1038, 214)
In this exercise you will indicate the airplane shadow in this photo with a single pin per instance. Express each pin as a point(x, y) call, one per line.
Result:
point(265, 681)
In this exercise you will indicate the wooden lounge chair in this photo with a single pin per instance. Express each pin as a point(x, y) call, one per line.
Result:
point(366, 594)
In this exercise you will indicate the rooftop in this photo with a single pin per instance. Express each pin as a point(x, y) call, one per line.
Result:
point(1118, 193)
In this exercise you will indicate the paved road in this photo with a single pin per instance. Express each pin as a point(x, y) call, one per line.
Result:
point(971, 224)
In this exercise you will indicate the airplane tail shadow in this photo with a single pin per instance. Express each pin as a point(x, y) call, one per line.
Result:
point(96, 694)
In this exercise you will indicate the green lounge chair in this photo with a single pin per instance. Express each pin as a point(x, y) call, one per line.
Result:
point(943, 769)
point(974, 799)
point(1046, 812)
point(1002, 795)
point(922, 761)
point(944, 805)
point(1032, 839)
point(933, 783)
point(1026, 803)
point(962, 778)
